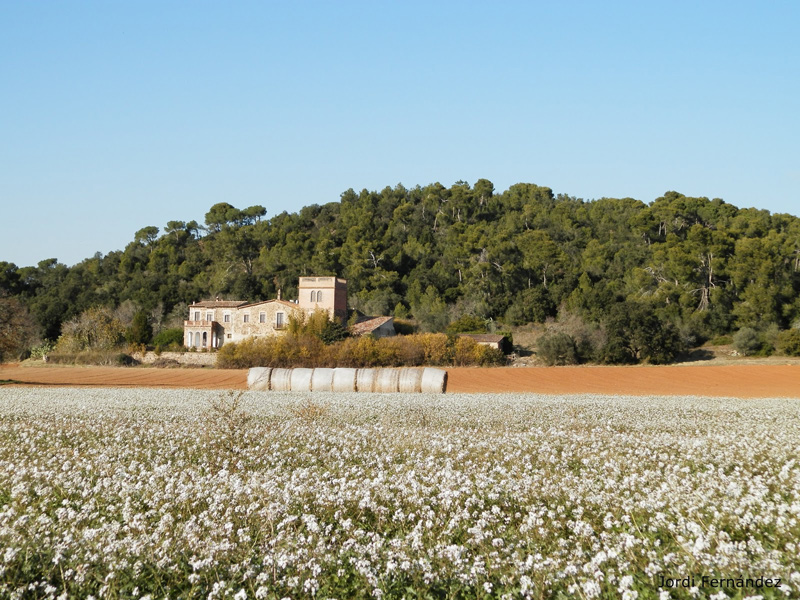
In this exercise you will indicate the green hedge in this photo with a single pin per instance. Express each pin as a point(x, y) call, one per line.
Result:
point(169, 337)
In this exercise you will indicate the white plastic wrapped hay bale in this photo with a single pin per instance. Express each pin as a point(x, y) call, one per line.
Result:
point(387, 381)
point(322, 380)
point(344, 380)
point(410, 381)
point(258, 378)
point(365, 380)
point(301, 380)
point(280, 380)
point(434, 381)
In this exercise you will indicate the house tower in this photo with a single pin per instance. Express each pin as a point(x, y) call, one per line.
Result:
point(324, 293)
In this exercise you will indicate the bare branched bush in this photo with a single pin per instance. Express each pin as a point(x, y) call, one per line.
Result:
point(94, 329)
point(309, 410)
point(225, 425)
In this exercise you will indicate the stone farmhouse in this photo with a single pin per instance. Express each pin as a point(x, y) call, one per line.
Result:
point(212, 323)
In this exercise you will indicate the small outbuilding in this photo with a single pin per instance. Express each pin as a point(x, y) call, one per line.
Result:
point(377, 327)
point(494, 340)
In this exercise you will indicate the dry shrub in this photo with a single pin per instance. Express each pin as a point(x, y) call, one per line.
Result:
point(94, 329)
point(467, 352)
point(309, 410)
point(224, 429)
point(305, 351)
point(103, 358)
point(358, 352)
point(435, 348)
point(486, 356)
point(464, 351)
point(399, 351)
point(242, 355)
point(165, 363)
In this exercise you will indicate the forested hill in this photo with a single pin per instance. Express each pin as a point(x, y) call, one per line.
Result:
point(439, 253)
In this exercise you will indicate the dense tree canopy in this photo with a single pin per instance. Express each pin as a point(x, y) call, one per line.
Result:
point(704, 267)
point(17, 329)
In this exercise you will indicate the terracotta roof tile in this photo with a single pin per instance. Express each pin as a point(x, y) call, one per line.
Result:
point(281, 302)
point(368, 326)
point(219, 304)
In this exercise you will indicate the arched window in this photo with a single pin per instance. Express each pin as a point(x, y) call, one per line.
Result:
point(319, 296)
point(190, 339)
point(205, 339)
point(313, 296)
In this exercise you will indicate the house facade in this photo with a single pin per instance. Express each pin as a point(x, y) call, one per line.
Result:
point(212, 323)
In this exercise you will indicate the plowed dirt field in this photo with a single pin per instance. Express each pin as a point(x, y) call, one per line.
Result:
point(125, 377)
point(743, 381)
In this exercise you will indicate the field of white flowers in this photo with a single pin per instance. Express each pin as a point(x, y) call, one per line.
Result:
point(195, 494)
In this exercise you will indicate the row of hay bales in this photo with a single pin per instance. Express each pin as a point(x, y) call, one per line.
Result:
point(406, 380)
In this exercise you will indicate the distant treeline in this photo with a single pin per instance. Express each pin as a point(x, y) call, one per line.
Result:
point(702, 267)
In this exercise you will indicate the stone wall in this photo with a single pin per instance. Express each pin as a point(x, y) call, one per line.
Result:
point(203, 359)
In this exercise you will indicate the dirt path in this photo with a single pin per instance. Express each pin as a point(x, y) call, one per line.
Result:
point(743, 381)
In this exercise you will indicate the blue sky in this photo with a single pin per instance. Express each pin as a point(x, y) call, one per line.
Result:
point(119, 115)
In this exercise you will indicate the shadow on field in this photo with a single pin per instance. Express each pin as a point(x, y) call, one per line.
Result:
point(698, 354)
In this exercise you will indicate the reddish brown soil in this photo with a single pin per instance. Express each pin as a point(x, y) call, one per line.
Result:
point(125, 377)
point(743, 381)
